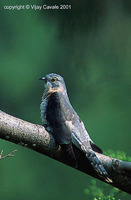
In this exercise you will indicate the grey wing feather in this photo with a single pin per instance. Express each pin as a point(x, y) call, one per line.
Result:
point(81, 137)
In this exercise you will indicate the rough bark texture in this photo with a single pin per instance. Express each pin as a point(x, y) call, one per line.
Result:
point(38, 139)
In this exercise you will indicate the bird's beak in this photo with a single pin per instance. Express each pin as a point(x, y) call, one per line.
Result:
point(42, 78)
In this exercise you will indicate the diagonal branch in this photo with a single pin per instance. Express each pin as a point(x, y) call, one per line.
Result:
point(35, 137)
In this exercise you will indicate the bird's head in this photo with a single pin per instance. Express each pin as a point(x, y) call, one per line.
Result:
point(54, 82)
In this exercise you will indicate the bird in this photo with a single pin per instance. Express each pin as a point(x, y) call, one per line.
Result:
point(63, 122)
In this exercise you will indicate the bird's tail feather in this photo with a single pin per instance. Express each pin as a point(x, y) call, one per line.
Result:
point(97, 165)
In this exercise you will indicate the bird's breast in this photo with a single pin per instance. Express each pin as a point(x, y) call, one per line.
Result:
point(50, 101)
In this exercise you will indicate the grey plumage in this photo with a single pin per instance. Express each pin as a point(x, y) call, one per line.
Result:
point(64, 123)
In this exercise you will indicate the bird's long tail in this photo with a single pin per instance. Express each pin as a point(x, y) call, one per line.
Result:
point(97, 165)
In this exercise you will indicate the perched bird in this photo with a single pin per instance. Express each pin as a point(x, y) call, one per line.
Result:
point(61, 119)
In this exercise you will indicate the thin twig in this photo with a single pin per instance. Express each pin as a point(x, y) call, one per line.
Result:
point(9, 155)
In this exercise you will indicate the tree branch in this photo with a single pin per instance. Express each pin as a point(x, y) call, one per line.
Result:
point(35, 137)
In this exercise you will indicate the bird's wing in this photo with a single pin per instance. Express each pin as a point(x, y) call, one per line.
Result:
point(80, 136)
point(82, 140)
point(67, 128)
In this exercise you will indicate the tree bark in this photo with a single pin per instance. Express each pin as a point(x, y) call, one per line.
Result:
point(35, 137)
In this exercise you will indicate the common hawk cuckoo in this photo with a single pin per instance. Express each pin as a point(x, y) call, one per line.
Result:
point(61, 119)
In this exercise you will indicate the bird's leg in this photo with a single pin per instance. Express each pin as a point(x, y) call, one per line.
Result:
point(48, 128)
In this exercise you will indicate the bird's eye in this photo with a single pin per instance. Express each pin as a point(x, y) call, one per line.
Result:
point(54, 79)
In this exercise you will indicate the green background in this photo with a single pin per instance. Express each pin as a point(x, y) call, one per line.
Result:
point(90, 46)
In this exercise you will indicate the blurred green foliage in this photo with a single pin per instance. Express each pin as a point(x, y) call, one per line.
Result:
point(90, 46)
point(118, 154)
point(97, 193)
